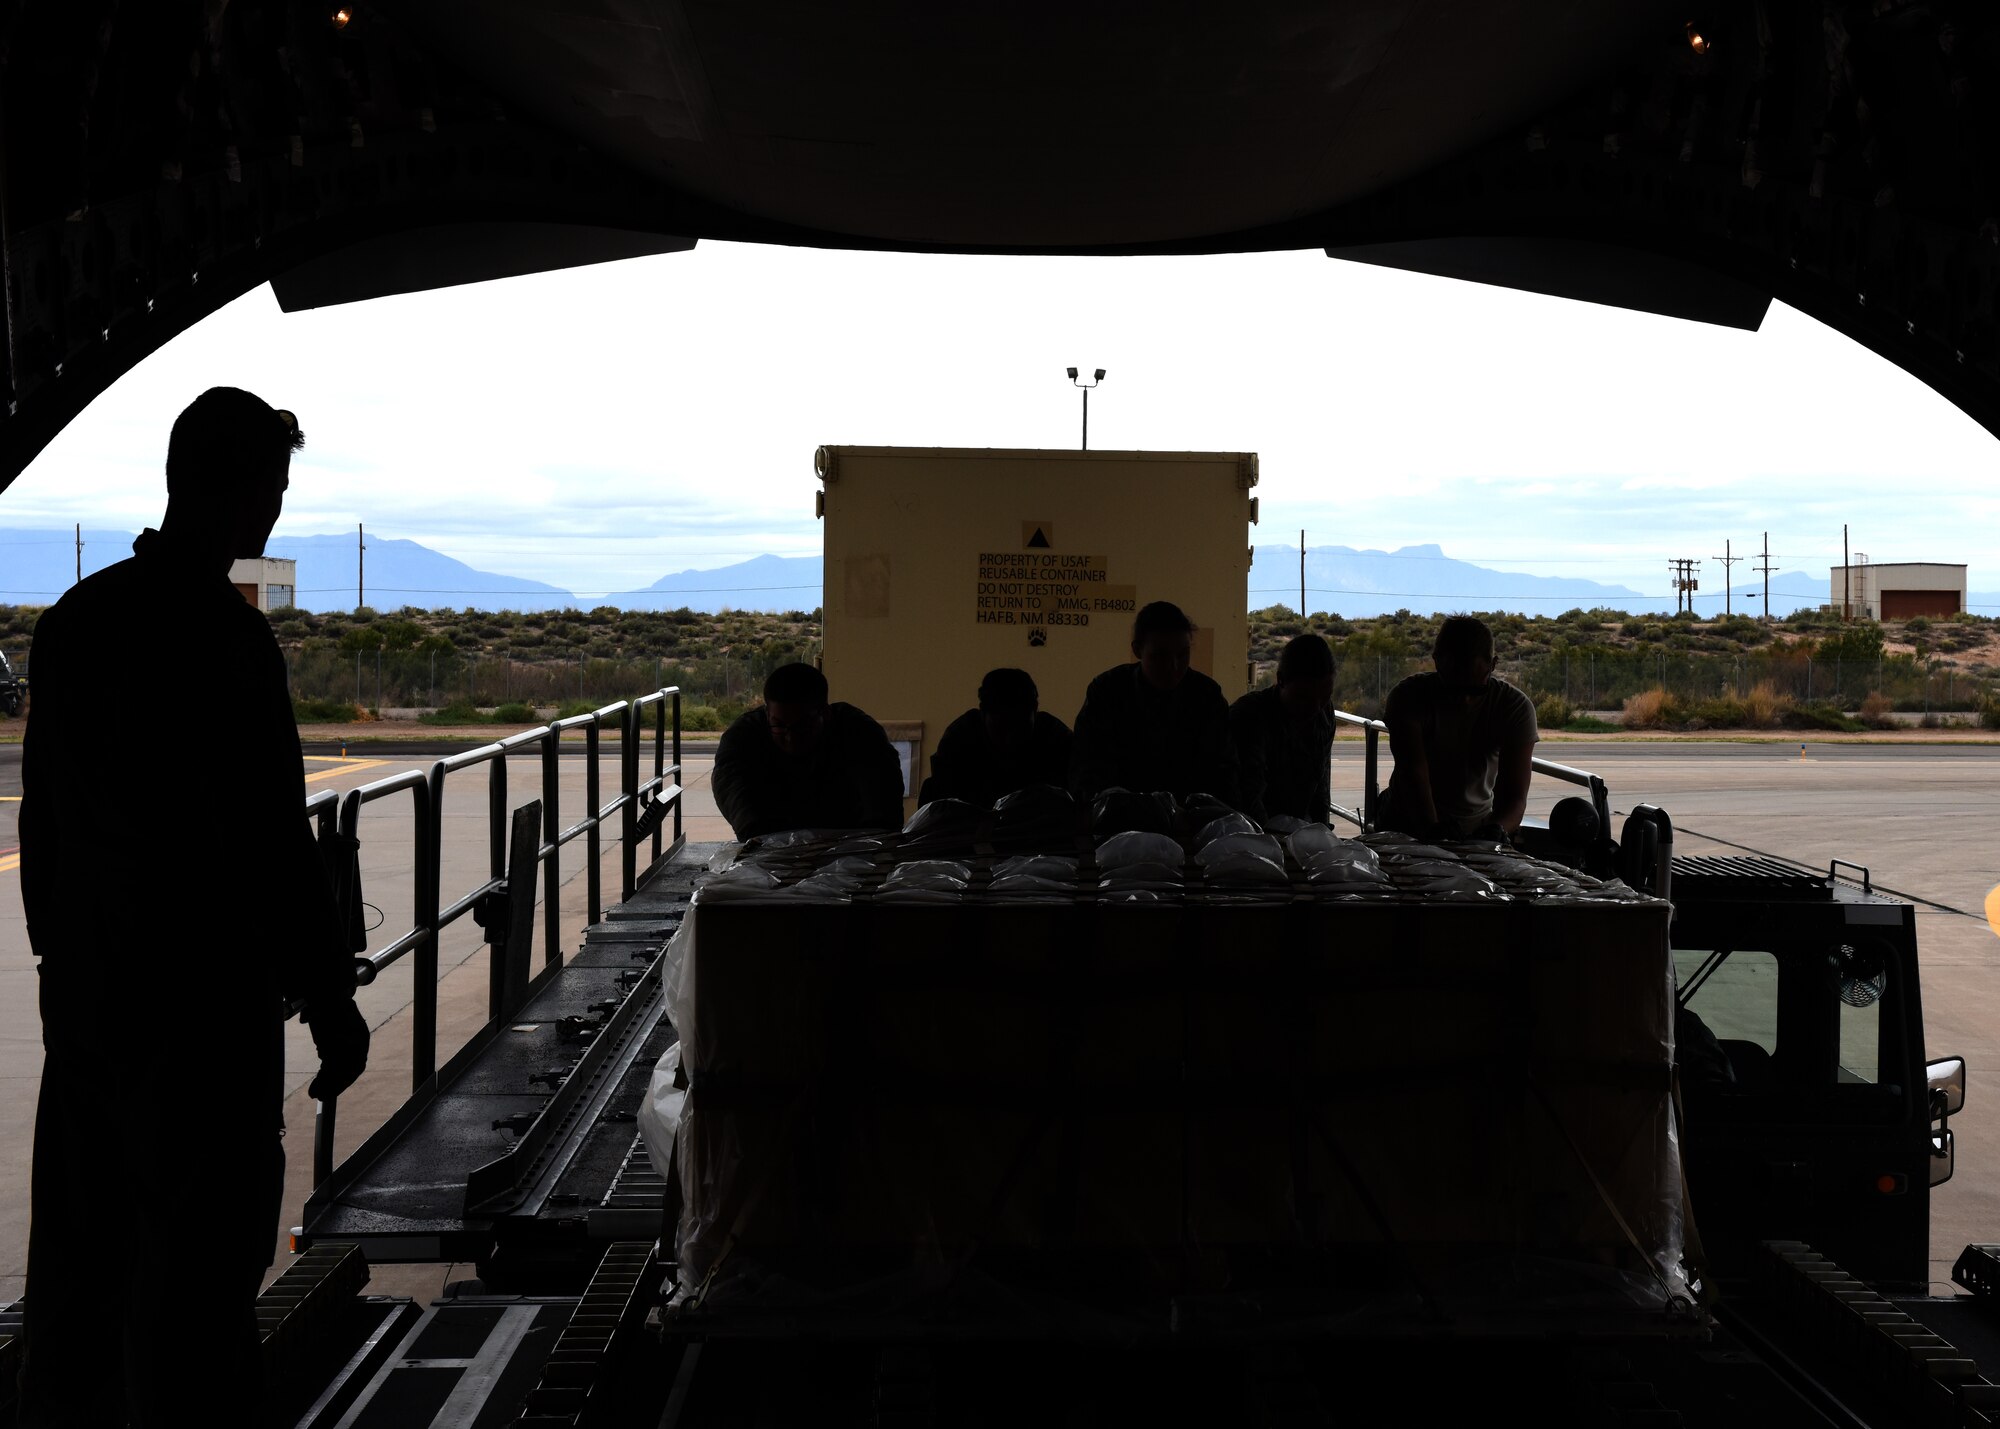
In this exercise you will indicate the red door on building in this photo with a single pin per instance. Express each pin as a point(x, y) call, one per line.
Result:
point(1904, 604)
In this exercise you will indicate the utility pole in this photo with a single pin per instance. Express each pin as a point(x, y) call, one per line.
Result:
point(360, 565)
point(1766, 569)
point(1846, 578)
point(1727, 561)
point(79, 552)
point(1302, 574)
point(1685, 584)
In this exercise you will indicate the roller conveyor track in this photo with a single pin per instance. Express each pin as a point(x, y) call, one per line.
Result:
point(529, 1143)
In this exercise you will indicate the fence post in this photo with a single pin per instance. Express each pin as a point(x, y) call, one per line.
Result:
point(552, 836)
point(628, 815)
point(378, 678)
point(1809, 673)
point(432, 694)
point(357, 677)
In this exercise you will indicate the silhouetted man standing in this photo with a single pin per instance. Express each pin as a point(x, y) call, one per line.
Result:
point(797, 762)
point(169, 946)
point(1155, 724)
point(1463, 741)
point(1284, 737)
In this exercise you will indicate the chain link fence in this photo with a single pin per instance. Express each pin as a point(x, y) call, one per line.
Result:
point(1603, 680)
point(713, 688)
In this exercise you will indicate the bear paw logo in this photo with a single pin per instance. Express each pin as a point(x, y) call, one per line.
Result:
point(1038, 637)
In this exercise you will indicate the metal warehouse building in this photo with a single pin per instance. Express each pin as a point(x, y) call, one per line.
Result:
point(1899, 590)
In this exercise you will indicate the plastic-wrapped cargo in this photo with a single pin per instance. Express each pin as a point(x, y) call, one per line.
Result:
point(1182, 1087)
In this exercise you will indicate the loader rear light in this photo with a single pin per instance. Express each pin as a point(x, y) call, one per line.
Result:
point(1892, 1183)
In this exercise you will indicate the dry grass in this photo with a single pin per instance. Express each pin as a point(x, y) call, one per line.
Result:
point(1764, 707)
point(1652, 709)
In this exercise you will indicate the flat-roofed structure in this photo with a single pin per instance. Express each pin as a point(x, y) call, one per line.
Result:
point(267, 582)
point(1898, 590)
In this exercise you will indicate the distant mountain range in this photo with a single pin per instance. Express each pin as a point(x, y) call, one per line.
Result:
point(773, 583)
point(37, 566)
point(1416, 578)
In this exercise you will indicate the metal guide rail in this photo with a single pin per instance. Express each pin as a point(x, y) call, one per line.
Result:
point(643, 806)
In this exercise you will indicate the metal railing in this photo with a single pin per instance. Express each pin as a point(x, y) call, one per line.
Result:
point(1372, 731)
point(644, 806)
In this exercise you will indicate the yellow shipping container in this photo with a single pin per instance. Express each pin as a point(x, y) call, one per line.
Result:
point(942, 564)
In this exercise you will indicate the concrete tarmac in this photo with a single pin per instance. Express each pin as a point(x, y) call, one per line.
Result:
point(1924, 818)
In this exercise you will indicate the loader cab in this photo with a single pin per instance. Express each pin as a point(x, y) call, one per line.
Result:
point(1799, 1041)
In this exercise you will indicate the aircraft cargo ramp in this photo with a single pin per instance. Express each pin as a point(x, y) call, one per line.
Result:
point(528, 1146)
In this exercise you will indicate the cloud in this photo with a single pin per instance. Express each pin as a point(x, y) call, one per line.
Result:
point(597, 428)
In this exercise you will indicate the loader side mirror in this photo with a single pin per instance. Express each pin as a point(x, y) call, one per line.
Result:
point(1944, 1157)
point(1946, 1078)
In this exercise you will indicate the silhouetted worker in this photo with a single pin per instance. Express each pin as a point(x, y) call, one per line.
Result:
point(169, 946)
point(1155, 724)
point(1464, 743)
point(1284, 736)
point(1006, 744)
point(797, 762)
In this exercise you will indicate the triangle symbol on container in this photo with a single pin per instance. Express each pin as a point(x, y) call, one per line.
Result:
point(1039, 541)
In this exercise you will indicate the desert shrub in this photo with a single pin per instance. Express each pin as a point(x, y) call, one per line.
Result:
point(1764, 707)
point(1989, 714)
point(700, 717)
point(570, 709)
point(1721, 712)
point(326, 711)
point(1553, 712)
point(1917, 624)
point(1931, 720)
point(515, 712)
point(1589, 724)
point(1875, 711)
point(1653, 709)
point(1819, 715)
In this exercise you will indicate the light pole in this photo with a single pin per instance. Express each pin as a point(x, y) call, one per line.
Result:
point(1086, 386)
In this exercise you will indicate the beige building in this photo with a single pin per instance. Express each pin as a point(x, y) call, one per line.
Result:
point(942, 564)
point(266, 581)
point(1897, 590)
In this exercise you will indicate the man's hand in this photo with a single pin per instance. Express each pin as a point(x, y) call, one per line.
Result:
point(340, 1036)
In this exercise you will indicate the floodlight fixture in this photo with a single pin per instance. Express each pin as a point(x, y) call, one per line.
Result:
point(1086, 386)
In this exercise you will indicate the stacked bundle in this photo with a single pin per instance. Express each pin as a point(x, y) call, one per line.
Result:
point(1190, 1053)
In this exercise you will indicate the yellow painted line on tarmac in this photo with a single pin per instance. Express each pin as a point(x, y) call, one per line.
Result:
point(11, 862)
point(346, 767)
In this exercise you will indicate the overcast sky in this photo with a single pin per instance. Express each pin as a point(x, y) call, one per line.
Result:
point(600, 427)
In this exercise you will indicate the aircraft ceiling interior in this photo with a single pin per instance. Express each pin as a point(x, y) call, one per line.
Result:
point(158, 160)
